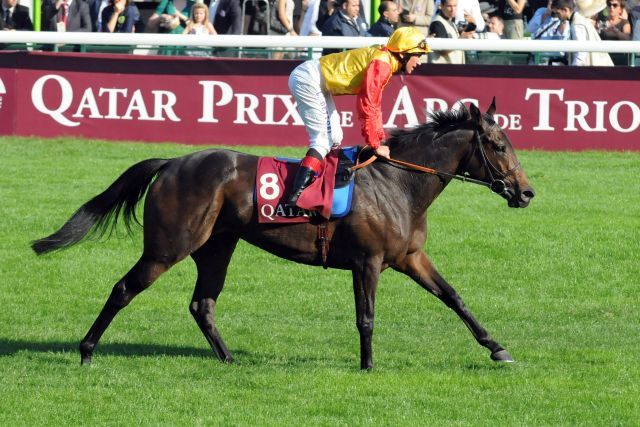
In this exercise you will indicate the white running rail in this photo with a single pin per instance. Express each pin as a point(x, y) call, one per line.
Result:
point(253, 41)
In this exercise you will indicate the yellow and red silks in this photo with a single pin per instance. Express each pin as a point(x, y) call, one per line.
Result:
point(363, 72)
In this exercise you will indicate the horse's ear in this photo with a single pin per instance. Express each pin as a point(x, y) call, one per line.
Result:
point(476, 115)
point(492, 107)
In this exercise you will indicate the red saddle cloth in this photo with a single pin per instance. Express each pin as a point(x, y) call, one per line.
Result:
point(274, 179)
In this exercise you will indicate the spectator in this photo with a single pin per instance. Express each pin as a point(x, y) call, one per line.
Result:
point(511, 11)
point(300, 7)
point(308, 27)
point(318, 11)
point(545, 25)
point(15, 16)
point(468, 11)
point(199, 22)
point(531, 8)
point(493, 28)
point(121, 16)
point(228, 17)
point(170, 16)
point(66, 15)
point(417, 13)
point(386, 24)
point(582, 29)
point(612, 25)
point(284, 9)
point(487, 10)
point(444, 26)
point(95, 11)
point(282, 22)
point(496, 26)
point(345, 21)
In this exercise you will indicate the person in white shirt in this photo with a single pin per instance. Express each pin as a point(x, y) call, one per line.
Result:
point(545, 25)
point(581, 29)
point(309, 27)
point(465, 9)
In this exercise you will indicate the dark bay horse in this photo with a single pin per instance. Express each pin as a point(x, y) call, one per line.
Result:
point(201, 204)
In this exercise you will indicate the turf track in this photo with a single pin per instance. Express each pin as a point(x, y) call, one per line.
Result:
point(556, 283)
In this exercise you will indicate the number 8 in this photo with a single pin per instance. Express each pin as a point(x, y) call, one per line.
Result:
point(269, 188)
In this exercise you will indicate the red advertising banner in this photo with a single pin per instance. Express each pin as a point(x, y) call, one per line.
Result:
point(7, 101)
point(247, 102)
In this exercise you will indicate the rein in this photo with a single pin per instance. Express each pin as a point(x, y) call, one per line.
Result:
point(498, 186)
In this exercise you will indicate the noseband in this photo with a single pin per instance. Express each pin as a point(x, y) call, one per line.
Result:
point(497, 185)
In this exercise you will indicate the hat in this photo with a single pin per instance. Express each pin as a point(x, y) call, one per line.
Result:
point(408, 40)
point(486, 7)
point(588, 8)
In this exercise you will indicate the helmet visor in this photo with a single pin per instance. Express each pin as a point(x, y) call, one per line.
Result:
point(421, 47)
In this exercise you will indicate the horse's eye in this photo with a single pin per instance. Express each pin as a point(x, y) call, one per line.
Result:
point(500, 148)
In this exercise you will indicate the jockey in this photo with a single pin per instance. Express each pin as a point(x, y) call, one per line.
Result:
point(363, 72)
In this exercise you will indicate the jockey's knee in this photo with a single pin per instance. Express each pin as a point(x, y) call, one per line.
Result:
point(322, 148)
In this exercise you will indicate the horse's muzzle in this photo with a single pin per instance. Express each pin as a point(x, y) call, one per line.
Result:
point(519, 199)
point(515, 199)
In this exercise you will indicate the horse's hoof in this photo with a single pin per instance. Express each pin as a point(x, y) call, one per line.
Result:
point(86, 351)
point(502, 356)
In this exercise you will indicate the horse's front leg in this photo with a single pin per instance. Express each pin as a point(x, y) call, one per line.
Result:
point(418, 266)
point(365, 283)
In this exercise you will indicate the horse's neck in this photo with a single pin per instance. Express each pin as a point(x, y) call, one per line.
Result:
point(445, 153)
point(445, 156)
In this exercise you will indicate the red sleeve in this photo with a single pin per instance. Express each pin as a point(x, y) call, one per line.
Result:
point(369, 101)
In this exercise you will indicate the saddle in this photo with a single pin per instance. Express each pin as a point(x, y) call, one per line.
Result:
point(329, 196)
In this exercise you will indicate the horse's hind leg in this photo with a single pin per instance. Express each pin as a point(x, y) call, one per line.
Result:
point(419, 267)
point(140, 277)
point(212, 260)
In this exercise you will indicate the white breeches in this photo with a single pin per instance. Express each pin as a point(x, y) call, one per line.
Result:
point(316, 107)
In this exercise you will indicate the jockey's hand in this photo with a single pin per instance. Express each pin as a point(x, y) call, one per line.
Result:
point(382, 151)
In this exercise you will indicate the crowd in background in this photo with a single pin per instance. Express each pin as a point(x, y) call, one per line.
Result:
point(488, 19)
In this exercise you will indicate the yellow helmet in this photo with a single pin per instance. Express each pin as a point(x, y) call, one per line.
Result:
point(408, 40)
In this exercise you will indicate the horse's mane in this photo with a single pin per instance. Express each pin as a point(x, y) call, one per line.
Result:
point(440, 123)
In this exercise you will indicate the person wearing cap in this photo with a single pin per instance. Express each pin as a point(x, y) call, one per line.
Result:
point(363, 72)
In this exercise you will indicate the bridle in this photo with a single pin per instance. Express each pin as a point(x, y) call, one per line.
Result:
point(497, 185)
point(496, 176)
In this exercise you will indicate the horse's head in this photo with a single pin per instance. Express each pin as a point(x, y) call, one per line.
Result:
point(494, 160)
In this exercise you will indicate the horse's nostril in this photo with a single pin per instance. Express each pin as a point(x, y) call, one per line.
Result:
point(529, 194)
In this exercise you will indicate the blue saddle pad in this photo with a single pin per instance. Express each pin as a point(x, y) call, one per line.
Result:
point(342, 196)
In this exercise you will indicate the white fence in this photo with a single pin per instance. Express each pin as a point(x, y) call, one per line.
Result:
point(251, 41)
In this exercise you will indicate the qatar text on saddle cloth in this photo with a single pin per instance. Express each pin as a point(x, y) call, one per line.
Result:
point(273, 183)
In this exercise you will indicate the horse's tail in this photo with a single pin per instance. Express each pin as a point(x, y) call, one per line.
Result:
point(100, 214)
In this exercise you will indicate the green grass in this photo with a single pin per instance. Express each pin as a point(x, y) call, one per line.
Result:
point(557, 284)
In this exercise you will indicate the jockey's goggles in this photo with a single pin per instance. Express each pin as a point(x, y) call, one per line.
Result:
point(421, 48)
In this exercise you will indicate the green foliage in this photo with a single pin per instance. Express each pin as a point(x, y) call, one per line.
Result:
point(555, 283)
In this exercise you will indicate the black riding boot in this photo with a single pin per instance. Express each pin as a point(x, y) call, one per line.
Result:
point(303, 178)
